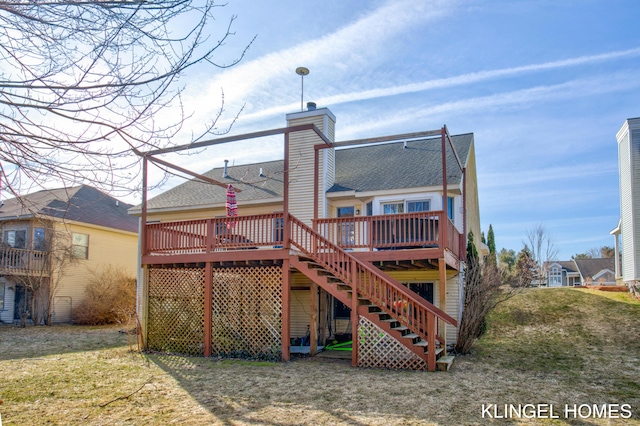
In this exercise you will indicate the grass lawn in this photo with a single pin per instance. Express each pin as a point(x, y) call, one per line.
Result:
point(546, 346)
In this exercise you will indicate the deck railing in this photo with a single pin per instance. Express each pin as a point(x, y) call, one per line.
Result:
point(15, 261)
point(208, 235)
point(397, 231)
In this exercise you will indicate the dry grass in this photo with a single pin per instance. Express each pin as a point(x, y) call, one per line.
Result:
point(556, 346)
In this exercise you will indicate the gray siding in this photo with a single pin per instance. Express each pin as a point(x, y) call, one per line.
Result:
point(629, 168)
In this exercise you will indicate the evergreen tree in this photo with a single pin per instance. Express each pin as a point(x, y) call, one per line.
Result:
point(491, 241)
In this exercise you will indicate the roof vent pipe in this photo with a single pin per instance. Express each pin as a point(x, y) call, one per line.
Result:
point(311, 106)
point(405, 145)
point(224, 173)
point(261, 174)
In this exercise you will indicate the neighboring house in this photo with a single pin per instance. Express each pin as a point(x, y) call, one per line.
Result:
point(580, 272)
point(627, 233)
point(376, 254)
point(597, 271)
point(51, 242)
point(561, 273)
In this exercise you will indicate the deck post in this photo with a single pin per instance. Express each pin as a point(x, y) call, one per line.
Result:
point(286, 308)
point(354, 316)
point(143, 224)
point(431, 342)
point(286, 234)
point(144, 307)
point(313, 321)
point(316, 186)
point(442, 328)
point(208, 307)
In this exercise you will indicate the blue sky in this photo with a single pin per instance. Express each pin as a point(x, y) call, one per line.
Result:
point(543, 85)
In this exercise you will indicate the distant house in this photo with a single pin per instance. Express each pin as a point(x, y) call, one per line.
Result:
point(51, 241)
point(579, 272)
point(627, 233)
point(597, 271)
point(362, 240)
point(561, 273)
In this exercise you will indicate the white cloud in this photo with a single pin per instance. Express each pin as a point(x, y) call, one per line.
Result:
point(520, 99)
point(265, 81)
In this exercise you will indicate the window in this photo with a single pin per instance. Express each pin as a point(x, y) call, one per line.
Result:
point(39, 242)
point(418, 206)
point(80, 246)
point(393, 208)
point(450, 207)
point(555, 277)
point(16, 239)
point(370, 208)
point(278, 230)
point(340, 310)
point(347, 229)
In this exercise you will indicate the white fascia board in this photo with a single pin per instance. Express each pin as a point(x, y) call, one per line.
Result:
point(342, 194)
point(601, 273)
point(402, 191)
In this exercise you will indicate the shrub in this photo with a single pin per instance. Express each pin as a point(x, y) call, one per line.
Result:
point(110, 298)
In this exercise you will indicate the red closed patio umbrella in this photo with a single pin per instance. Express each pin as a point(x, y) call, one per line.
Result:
point(232, 206)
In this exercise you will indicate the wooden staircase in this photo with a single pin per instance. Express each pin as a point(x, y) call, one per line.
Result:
point(393, 307)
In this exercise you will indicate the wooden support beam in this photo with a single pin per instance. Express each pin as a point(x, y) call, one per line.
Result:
point(208, 307)
point(313, 321)
point(323, 303)
point(355, 318)
point(442, 328)
point(144, 307)
point(431, 342)
point(286, 309)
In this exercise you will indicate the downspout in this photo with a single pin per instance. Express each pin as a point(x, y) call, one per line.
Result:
point(463, 243)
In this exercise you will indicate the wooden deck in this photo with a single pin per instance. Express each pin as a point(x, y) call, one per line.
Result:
point(408, 237)
point(23, 262)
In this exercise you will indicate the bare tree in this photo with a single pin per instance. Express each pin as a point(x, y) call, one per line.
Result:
point(596, 253)
point(82, 84)
point(541, 246)
point(485, 286)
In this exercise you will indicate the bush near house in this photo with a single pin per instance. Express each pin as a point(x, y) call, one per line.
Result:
point(110, 298)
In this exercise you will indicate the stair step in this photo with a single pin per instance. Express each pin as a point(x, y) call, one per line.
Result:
point(445, 362)
point(401, 328)
point(411, 336)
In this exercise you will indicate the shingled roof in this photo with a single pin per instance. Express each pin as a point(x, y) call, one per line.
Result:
point(365, 168)
point(392, 166)
point(589, 268)
point(80, 203)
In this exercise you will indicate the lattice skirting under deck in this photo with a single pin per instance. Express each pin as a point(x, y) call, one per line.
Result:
point(377, 349)
point(176, 310)
point(246, 311)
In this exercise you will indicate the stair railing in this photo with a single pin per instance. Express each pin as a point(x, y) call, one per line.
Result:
point(407, 307)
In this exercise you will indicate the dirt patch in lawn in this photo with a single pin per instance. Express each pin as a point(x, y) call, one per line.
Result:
point(554, 346)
